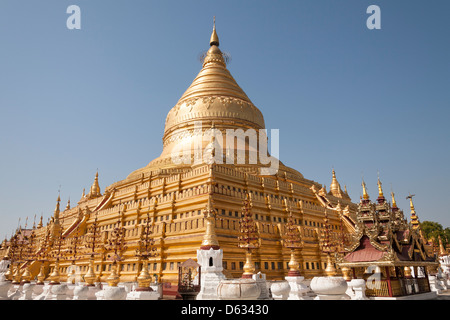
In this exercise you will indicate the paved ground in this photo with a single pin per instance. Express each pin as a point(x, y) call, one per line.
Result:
point(445, 295)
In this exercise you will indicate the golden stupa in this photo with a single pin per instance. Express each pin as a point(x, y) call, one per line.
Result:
point(174, 196)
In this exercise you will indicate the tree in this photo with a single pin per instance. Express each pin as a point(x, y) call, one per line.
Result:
point(432, 230)
point(446, 237)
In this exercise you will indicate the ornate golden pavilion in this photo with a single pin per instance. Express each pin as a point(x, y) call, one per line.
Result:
point(172, 197)
point(384, 240)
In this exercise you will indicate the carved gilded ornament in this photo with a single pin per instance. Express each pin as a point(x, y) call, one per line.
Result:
point(200, 107)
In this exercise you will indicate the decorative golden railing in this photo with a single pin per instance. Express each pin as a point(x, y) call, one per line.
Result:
point(380, 288)
point(377, 289)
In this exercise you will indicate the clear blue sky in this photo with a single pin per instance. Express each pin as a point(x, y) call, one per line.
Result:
point(362, 101)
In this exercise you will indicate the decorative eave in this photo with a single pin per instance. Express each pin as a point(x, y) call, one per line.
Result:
point(393, 263)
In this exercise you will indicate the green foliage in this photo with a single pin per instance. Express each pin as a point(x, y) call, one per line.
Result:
point(432, 230)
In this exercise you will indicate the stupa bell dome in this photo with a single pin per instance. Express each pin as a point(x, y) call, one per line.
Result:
point(215, 101)
point(214, 95)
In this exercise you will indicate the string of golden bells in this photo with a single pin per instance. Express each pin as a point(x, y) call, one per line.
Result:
point(29, 257)
point(55, 276)
point(42, 256)
point(327, 246)
point(249, 237)
point(92, 243)
point(116, 244)
point(144, 251)
point(293, 241)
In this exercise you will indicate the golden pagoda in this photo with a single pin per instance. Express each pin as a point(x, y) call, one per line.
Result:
point(170, 194)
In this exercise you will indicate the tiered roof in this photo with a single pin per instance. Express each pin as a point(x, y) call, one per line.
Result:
point(383, 236)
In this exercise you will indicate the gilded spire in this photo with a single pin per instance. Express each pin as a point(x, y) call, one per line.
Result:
point(95, 188)
point(365, 194)
point(56, 215)
point(68, 205)
point(335, 187)
point(40, 224)
point(214, 41)
point(411, 204)
point(380, 189)
point(414, 218)
point(55, 218)
point(394, 204)
point(214, 54)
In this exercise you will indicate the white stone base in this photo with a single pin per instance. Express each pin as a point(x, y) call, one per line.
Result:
point(298, 290)
point(210, 282)
point(113, 293)
point(38, 289)
point(5, 286)
point(238, 289)
point(211, 273)
point(15, 292)
point(356, 289)
point(27, 291)
point(441, 283)
point(70, 289)
point(447, 283)
point(280, 289)
point(329, 288)
point(157, 287)
point(142, 295)
point(332, 297)
point(44, 293)
point(434, 284)
point(99, 295)
point(260, 279)
point(85, 292)
point(57, 292)
point(80, 292)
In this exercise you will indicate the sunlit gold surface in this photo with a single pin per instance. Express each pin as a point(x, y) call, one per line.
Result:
point(365, 194)
point(380, 189)
point(41, 275)
point(249, 266)
point(173, 199)
point(407, 271)
point(144, 277)
point(330, 269)
point(90, 276)
point(210, 237)
point(55, 276)
point(113, 278)
point(26, 275)
point(346, 273)
point(293, 265)
point(394, 203)
point(213, 97)
point(17, 275)
point(9, 273)
point(335, 187)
